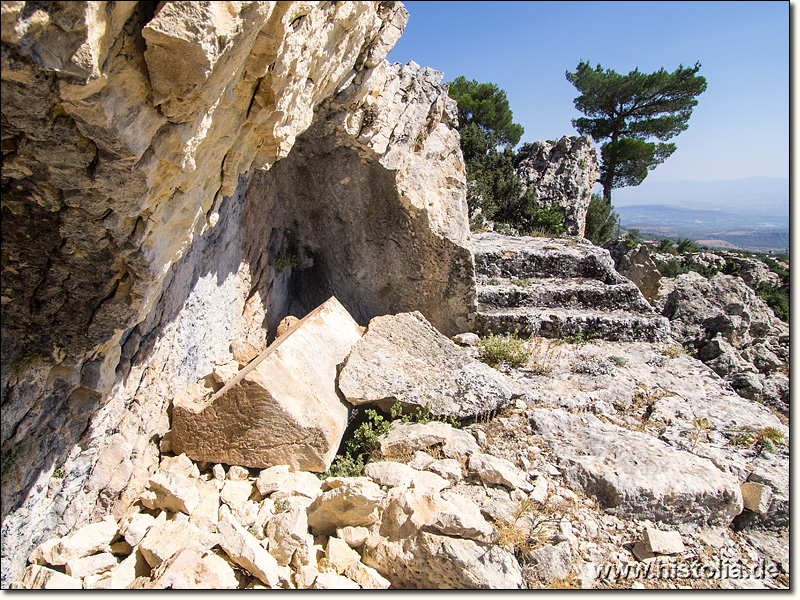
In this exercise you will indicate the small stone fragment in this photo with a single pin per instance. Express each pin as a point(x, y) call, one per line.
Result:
point(243, 351)
point(642, 552)
point(366, 577)
point(271, 479)
point(236, 493)
point(285, 325)
point(37, 577)
point(354, 536)
point(340, 555)
point(85, 541)
point(174, 492)
point(245, 551)
point(285, 533)
point(494, 470)
point(662, 542)
point(91, 565)
point(237, 473)
point(331, 581)
point(162, 541)
point(756, 496)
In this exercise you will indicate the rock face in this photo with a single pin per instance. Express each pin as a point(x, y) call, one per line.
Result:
point(282, 409)
point(558, 288)
point(141, 237)
point(734, 332)
point(563, 174)
point(636, 474)
point(402, 358)
point(637, 265)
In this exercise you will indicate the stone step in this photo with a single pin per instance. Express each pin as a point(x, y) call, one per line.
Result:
point(617, 325)
point(562, 293)
point(498, 256)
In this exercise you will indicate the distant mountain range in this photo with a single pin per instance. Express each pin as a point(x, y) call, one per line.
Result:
point(752, 213)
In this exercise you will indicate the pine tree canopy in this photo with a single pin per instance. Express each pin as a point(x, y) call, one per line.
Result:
point(629, 109)
point(485, 105)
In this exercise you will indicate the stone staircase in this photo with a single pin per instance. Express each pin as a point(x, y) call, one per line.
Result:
point(558, 287)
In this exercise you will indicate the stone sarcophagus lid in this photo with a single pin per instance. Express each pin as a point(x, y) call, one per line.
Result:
point(282, 408)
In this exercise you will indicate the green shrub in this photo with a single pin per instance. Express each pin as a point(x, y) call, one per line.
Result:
point(685, 246)
point(666, 246)
point(777, 298)
point(497, 349)
point(283, 260)
point(601, 221)
point(731, 268)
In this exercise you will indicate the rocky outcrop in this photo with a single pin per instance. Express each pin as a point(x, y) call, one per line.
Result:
point(558, 288)
point(639, 475)
point(563, 174)
point(637, 265)
point(402, 358)
point(733, 331)
point(141, 237)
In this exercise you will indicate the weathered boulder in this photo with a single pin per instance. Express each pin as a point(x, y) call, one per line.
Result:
point(498, 471)
point(282, 408)
point(345, 502)
point(637, 474)
point(191, 568)
point(402, 358)
point(548, 564)
point(85, 541)
point(563, 174)
point(404, 439)
point(165, 539)
point(431, 561)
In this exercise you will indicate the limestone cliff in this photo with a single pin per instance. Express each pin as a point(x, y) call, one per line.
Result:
point(160, 200)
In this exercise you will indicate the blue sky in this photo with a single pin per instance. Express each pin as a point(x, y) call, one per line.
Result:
point(740, 127)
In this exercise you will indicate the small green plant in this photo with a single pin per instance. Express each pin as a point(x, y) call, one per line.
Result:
point(494, 281)
point(59, 473)
point(701, 427)
point(282, 505)
point(26, 361)
point(619, 361)
point(497, 349)
point(522, 281)
point(9, 458)
point(422, 415)
point(579, 338)
point(284, 260)
point(672, 350)
point(345, 465)
point(761, 440)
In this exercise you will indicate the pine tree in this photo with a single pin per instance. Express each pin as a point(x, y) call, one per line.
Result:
point(627, 110)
